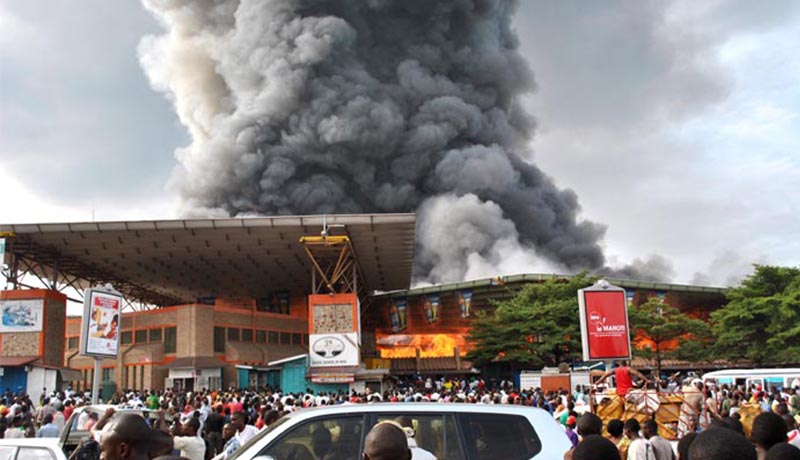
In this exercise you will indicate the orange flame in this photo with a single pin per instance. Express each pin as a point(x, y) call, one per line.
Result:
point(429, 345)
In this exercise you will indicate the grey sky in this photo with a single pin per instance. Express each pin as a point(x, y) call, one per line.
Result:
point(676, 124)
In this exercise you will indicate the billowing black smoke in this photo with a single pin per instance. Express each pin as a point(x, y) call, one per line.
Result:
point(347, 106)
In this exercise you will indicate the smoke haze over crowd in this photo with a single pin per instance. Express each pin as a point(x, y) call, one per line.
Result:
point(310, 107)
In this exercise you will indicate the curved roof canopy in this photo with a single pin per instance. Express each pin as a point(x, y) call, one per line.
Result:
point(169, 262)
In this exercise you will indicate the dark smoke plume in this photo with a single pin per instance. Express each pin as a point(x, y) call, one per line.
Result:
point(347, 106)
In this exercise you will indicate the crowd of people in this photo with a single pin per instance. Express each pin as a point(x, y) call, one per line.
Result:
point(206, 424)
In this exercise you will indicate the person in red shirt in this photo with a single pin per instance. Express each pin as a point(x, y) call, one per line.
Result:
point(623, 377)
point(68, 409)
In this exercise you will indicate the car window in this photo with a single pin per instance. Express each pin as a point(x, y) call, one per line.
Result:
point(35, 453)
point(335, 438)
point(435, 433)
point(7, 452)
point(493, 436)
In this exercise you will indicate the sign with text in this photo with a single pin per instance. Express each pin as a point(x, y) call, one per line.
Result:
point(101, 319)
point(604, 322)
point(334, 329)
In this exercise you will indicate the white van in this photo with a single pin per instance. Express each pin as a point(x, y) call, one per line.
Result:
point(766, 378)
point(450, 431)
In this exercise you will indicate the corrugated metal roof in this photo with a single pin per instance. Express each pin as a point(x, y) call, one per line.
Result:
point(170, 262)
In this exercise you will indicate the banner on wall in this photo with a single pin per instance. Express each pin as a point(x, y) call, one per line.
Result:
point(398, 314)
point(22, 315)
point(431, 308)
point(333, 330)
point(464, 302)
point(101, 321)
point(604, 322)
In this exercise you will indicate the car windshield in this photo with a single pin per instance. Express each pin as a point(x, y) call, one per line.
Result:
point(257, 437)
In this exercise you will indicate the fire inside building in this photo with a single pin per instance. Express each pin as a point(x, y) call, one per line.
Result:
point(319, 302)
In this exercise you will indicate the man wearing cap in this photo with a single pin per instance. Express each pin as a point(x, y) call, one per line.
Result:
point(570, 430)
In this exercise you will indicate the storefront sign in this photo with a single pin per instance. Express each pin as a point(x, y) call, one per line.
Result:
point(334, 330)
point(100, 326)
point(333, 378)
point(604, 322)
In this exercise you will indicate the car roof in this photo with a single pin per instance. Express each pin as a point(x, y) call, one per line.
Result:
point(34, 442)
point(449, 408)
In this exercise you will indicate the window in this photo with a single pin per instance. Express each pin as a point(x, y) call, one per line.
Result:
point(170, 339)
point(305, 339)
point(141, 336)
point(126, 337)
point(7, 452)
point(72, 343)
point(261, 336)
point(285, 337)
point(233, 334)
point(491, 436)
point(219, 340)
point(273, 337)
point(155, 335)
point(35, 453)
point(247, 335)
point(108, 374)
point(435, 433)
point(296, 339)
point(334, 438)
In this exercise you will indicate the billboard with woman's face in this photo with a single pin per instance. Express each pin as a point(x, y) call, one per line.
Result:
point(101, 320)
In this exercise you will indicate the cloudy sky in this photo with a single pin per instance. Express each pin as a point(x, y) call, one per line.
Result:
point(676, 124)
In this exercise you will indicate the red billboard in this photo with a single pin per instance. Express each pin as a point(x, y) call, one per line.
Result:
point(604, 322)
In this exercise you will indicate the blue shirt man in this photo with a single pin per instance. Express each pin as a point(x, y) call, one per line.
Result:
point(48, 429)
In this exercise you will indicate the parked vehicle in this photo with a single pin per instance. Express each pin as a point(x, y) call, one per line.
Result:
point(31, 449)
point(448, 431)
point(766, 378)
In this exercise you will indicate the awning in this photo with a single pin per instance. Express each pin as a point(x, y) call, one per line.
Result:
point(12, 361)
point(70, 375)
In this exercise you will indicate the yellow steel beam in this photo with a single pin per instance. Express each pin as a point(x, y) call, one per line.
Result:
point(327, 240)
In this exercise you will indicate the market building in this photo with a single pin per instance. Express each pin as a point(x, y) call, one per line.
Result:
point(252, 301)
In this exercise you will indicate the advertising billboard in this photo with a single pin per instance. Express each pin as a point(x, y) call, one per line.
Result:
point(22, 315)
point(101, 320)
point(334, 330)
point(604, 322)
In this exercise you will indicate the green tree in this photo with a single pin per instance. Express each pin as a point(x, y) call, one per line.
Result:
point(537, 327)
point(761, 321)
point(656, 327)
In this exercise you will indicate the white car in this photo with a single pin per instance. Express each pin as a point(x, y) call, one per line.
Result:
point(448, 431)
point(31, 449)
point(73, 432)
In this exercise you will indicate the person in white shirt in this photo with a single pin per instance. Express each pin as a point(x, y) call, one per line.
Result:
point(190, 445)
point(244, 432)
point(640, 449)
point(661, 446)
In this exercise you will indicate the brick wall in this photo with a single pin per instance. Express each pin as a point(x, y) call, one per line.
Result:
point(195, 331)
point(53, 329)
